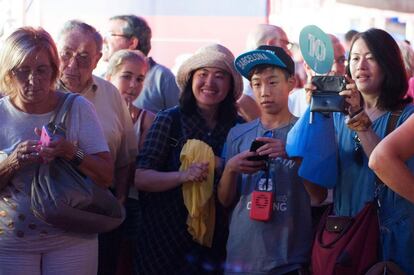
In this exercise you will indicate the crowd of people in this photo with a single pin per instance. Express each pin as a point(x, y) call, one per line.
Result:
point(134, 127)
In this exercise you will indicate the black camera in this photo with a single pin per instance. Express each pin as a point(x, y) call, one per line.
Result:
point(256, 144)
point(326, 97)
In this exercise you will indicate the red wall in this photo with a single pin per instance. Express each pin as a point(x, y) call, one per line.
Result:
point(175, 35)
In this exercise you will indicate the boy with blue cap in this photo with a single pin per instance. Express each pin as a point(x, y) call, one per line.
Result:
point(270, 228)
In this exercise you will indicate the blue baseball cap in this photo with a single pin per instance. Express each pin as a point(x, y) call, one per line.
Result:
point(270, 55)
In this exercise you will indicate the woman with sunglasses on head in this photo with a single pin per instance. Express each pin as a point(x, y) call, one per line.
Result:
point(375, 93)
point(28, 74)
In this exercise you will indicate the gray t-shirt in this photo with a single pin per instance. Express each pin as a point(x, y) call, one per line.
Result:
point(160, 90)
point(20, 230)
point(283, 243)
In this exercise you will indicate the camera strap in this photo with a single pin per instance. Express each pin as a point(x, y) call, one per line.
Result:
point(267, 173)
point(262, 200)
point(262, 184)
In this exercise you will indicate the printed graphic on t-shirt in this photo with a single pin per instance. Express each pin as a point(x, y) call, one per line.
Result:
point(261, 185)
point(280, 201)
point(289, 163)
point(280, 204)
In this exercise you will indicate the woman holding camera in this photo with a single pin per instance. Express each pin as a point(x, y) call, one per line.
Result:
point(376, 93)
point(28, 77)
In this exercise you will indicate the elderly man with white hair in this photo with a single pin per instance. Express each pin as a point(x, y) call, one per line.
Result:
point(80, 46)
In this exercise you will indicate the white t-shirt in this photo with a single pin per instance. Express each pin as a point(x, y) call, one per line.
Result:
point(247, 90)
point(297, 102)
point(21, 230)
point(115, 119)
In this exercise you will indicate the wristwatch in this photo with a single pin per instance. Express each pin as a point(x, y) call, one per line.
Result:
point(78, 158)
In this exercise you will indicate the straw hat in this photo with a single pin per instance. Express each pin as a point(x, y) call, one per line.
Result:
point(214, 55)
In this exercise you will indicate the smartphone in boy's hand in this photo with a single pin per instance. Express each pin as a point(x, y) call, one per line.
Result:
point(256, 144)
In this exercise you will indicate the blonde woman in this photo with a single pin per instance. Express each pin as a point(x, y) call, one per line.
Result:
point(28, 75)
point(126, 71)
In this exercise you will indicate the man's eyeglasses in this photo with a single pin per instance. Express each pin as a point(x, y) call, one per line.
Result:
point(41, 72)
point(109, 34)
point(83, 59)
point(286, 43)
point(340, 60)
point(289, 45)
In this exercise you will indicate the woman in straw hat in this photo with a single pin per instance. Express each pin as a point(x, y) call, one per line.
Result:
point(210, 86)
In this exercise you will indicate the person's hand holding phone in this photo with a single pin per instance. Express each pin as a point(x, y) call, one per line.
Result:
point(52, 146)
point(23, 154)
point(272, 147)
point(241, 163)
point(256, 144)
point(45, 137)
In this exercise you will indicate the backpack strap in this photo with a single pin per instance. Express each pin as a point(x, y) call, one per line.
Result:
point(175, 129)
point(175, 141)
point(392, 121)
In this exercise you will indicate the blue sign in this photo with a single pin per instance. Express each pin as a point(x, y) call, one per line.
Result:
point(316, 48)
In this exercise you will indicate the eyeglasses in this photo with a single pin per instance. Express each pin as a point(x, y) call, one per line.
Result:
point(41, 72)
point(286, 43)
point(289, 45)
point(109, 34)
point(340, 60)
point(83, 59)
